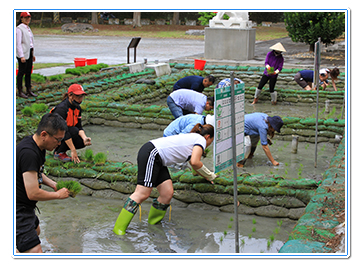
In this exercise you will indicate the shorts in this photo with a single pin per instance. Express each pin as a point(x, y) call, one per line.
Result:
point(151, 172)
point(26, 224)
point(299, 80)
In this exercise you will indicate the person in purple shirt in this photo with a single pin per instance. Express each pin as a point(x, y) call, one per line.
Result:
point(273, 65)
point(196, 83)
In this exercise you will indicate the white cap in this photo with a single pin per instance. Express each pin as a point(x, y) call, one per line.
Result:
point(210, 119)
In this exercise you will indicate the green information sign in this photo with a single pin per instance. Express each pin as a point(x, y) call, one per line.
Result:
point(223, 137)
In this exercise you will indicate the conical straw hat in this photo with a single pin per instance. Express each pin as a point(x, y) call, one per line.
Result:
point(278, 47)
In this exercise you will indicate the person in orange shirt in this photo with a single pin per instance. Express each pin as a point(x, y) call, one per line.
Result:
point(75, 137)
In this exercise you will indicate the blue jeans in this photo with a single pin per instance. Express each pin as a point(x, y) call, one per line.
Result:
point(175, 110)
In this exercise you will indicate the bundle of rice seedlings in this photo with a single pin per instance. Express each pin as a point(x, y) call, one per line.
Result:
point(73, 187)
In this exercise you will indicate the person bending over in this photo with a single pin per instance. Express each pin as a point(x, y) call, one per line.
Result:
point(153, 159)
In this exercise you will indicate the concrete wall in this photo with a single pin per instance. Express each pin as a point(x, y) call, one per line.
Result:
point(235, 44)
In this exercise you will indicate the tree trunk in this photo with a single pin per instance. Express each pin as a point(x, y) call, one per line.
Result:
point(94, 18)
point(136, 19)
point(176, 18)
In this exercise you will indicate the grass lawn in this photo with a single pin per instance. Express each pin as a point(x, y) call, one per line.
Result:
point(156, 31)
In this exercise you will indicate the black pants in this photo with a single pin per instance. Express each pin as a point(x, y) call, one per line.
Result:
point(272, 81)
point(24, 69)
point(77, 141)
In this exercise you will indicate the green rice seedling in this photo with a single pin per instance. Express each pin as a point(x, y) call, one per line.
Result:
point(253, 230)
point(73, 187)
point(89, 155)
point(27, 111)
point(231, 219)
point(39, 108)
point(272, 238)
point(268, 244)
point(100, 158)
point(230, 226)
point(280, 223)
point(225, 232)
point(254, 221)
point(276, 230)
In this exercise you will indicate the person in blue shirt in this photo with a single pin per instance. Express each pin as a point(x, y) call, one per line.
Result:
point(305, 79)
point(184, 124)
point(258, 126)
point(226, 82)
point(196, 83)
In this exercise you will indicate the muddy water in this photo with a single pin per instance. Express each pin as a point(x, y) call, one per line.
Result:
point(84, 225)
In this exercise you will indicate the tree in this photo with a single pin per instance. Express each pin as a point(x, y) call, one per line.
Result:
point(176, 18)
point(94, 18)
point(306, 27)
point(136, 19)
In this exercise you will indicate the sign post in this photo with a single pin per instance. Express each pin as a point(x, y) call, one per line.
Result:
point(229, 142)
point(317, 63)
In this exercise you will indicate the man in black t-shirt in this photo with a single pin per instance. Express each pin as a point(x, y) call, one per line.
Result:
point(30, 158)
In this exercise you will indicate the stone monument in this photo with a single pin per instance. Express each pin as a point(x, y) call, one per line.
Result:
point(232, 39)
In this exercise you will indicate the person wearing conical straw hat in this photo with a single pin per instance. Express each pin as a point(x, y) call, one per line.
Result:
point(273, 65)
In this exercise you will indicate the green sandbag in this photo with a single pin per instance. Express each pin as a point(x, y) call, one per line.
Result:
point(82, 173)
point(208, 187)
point(189, 178)
point(131, 170)
point(299, 184)
point(261, 180)
point(289, 120)
point(112, 177)
point(310, 121)
point(331, 122)
point(57, 171)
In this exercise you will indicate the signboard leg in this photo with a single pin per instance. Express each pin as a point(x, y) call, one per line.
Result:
point(233, 134)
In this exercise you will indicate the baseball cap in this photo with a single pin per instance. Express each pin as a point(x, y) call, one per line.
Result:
point(76, 89)
point(24, 14)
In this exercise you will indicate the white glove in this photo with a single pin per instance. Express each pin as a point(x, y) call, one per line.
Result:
point(206, 173)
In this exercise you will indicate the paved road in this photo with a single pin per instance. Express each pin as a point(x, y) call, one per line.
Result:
point(113, 50)
point(110, 49)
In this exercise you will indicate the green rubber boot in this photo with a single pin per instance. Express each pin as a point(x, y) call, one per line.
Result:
point(157, 212)
point(124, 218)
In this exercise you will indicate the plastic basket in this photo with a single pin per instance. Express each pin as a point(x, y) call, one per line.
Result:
point(199, 64)
point(79, 62)
point(91, 61)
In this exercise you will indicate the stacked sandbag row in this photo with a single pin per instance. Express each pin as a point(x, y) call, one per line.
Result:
point(264, 195)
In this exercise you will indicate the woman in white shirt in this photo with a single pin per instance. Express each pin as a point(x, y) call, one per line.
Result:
point(153, 159)
point(24, 54)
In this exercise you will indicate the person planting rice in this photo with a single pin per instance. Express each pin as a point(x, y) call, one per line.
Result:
point(194, 82)
point(30, 158)
point(273, 65)
point(75, 138)
point(153, 159)
point(258, 126)
point(185, 101)
point(305, 78)
point(184, 124)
